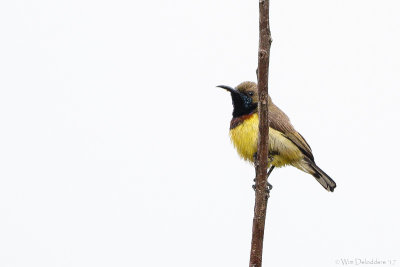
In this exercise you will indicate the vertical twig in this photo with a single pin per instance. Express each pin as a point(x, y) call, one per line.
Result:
point(261, 192)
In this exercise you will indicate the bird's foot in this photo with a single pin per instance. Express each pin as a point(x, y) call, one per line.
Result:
point(267, 189)
point(269, 186)
point(270, 158)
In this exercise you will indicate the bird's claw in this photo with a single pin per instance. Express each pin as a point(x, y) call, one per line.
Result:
point(268, 188)
point(270, 158)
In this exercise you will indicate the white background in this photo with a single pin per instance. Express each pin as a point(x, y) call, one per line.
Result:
point(114, 147)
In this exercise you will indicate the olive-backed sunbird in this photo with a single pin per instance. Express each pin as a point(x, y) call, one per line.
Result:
point(286, 145)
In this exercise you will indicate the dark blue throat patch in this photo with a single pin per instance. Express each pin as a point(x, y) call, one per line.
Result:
point(242, 104)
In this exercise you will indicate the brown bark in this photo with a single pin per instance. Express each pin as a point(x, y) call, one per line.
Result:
point(261, 191)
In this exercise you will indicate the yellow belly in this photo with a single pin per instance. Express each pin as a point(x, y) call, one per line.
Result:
point(245, 136)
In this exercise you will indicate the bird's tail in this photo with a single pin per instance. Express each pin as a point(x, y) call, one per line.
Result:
point(310, 167)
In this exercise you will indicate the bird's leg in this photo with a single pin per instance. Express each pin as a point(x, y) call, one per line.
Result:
point(269, 186)
point(270, 159)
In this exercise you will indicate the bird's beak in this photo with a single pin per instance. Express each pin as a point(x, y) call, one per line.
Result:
point(228, 88)
point(242, 104)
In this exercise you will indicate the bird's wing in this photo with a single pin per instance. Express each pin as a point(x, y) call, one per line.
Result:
point(279, 121)
point(301, 143)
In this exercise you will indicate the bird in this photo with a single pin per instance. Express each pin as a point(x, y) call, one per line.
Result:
point(286, 146)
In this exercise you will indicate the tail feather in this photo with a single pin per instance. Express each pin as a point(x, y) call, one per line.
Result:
point(323, 178)
point(310, 167)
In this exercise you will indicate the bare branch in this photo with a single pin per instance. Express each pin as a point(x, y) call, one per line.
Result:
point(261, 191)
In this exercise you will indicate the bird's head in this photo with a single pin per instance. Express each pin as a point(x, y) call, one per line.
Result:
point(244, 98)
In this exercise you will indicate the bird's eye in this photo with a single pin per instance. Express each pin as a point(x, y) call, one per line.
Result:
point(250, 93)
